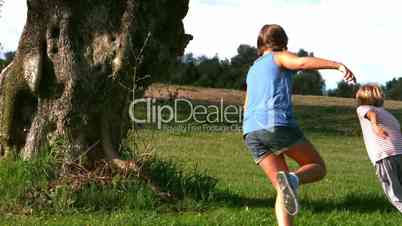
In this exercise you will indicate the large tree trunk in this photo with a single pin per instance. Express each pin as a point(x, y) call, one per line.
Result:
point(73, 60)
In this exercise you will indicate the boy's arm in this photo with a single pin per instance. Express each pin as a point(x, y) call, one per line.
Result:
point(291, 61)
point(372, 117)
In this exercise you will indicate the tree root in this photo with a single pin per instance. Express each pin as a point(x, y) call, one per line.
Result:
point(128, 166)
point(131, 166)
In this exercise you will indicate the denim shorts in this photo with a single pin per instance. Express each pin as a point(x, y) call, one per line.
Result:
point(273, 141)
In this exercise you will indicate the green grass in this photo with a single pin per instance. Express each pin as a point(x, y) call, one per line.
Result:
point(349, 195)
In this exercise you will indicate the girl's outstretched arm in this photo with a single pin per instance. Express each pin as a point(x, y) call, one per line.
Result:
point(291, 61)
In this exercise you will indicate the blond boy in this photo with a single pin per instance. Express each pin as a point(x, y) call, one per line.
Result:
point(383, 140)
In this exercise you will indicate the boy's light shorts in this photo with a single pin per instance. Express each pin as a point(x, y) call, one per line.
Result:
point(273, 141)
point(389, 172)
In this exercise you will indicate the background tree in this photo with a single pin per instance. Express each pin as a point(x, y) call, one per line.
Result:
point(209, 71)
point(231, 74)
point(3, 64)
point(73, 64)
point(185, 71)
point(344, 89)
point(240, 64)
point(393, 89)
point(308, 82)
point(8, 57)
point(246, 55)
point(213, 72)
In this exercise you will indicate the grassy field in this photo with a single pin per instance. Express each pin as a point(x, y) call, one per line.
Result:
point(349, 195)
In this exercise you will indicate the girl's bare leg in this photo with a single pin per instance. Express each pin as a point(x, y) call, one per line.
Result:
point(312, 167)
point(271, 165)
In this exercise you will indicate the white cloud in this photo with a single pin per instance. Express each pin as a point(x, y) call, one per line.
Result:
point(364, 34)
point(218, 2)
point(13, 16)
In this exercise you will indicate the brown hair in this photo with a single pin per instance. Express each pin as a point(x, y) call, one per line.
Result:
point(370, 94)
point(272, 36)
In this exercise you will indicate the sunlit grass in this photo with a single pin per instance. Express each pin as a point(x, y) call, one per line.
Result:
point(349, 195)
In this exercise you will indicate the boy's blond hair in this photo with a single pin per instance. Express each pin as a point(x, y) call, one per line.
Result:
point(370, 94)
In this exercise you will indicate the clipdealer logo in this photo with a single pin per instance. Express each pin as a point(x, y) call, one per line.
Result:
point(184, 111)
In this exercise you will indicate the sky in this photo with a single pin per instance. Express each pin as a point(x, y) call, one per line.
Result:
point(363, 34)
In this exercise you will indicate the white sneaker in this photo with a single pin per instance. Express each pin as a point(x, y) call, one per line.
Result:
point(288, 192)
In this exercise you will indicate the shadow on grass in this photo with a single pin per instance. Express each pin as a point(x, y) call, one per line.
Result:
point(360, 203)
point(356, 202)
point(236, 201)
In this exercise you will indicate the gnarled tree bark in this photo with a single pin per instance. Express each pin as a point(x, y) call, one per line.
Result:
point(72, 60)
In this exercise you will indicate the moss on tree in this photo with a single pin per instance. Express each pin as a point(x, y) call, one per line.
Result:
point(72, 62)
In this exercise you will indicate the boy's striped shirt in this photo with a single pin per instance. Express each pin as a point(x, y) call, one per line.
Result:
point(377, 147)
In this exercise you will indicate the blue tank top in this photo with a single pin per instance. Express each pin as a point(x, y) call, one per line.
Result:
point(269, 94)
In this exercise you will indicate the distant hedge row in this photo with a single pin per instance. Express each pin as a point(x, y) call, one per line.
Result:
point(231, 73)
